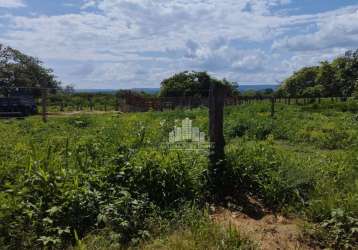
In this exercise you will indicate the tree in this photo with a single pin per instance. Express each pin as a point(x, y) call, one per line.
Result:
point(346, 72)
point(315, 91)
point(281, 92)
point(268, 91)
point(19, 70)
point(69, 89)
point(294, 86)
point(192, 84)
point(355, 92)
point(326, 77)
point(337, 78)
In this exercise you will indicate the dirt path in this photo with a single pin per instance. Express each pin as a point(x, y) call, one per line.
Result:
point(70, 113)
point(271, 232)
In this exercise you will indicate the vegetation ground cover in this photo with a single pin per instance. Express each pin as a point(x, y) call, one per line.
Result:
point(86, 177)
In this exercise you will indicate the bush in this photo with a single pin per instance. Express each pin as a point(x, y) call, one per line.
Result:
point(80, 122)
point(167, 177)
point(48, 203)
point(192, 228)
point(259, 169)
point(340, 231)
point(255, 128)
point(50, 206)
point(326, 137)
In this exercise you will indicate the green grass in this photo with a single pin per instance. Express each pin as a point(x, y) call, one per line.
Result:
point(90, 173)
point(193, 230)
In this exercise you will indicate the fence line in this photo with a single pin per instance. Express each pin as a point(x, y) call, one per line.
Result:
point(129, 101)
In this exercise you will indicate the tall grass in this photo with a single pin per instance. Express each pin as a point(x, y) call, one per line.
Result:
point(77, 176)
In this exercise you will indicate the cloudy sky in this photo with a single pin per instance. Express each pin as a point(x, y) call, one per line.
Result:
point(137, 43)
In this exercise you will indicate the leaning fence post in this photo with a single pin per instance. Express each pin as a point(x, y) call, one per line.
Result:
point(44, 104)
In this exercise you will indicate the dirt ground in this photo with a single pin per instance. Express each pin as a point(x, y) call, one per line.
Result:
point(270, 231)
point(82, 113)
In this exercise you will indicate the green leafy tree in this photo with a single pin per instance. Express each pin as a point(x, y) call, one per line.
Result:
point(337, 78)
point(355, 92)
point(326, 78)
point(69, 89)
point(314, 91)
point(294, 86)
point(281, 92)
point(19, 70)
point(192, 84)
point(346, 69)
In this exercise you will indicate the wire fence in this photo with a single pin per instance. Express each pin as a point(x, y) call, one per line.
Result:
point(24, 101)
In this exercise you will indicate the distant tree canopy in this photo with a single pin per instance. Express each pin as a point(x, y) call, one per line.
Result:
point(258, 93)
point(20, 70)
point(191, 83)
point(338, 78)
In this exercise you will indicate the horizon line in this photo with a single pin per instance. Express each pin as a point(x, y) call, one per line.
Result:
point(250, 84)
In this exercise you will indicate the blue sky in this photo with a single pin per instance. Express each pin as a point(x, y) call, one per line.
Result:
point(137, 43)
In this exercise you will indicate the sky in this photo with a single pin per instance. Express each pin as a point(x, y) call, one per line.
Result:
point(137, 43)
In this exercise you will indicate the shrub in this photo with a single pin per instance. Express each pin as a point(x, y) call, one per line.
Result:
point(48, 203)
point(80, 122)
point(325, 137)
point(340, 231)
point(259, 169)
point(167, 177)
point(255, 128)
point(192, 228)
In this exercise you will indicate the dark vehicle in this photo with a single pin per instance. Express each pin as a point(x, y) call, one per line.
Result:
point(17, 106)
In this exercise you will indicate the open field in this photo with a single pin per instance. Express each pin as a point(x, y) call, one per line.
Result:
point(178, 125)
point(101, 181)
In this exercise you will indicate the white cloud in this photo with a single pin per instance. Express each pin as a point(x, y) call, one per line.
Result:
point(11, 3)
point(138, 42)
point(136, 26)
point(338, 30)
point(89, 4)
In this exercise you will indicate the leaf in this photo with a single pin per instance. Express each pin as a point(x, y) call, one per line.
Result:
point(53, 210)
point(46, 240)
point(102, 218)
point(47, 220)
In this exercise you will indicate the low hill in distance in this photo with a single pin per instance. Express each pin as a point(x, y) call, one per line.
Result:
point(243, 88)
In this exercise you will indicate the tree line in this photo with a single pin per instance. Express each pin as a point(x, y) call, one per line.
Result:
point(338, 78)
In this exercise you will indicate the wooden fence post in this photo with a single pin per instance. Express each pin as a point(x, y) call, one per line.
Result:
point(62, 108)
point(44, 104)
point(90, 102)
point(216, 118)
point(272, 106)
point(116, 108)
point(216, 133)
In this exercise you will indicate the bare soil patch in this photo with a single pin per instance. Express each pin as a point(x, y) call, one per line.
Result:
point(271, 231)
